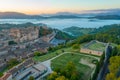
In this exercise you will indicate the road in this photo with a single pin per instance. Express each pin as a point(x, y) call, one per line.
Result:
point(47, 63)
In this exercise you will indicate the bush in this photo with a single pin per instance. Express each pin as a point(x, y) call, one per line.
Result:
point(31, 78)
point(37, 53)
point(12, 62)
point(12, 42)
point(1, 74)
point(76, 46)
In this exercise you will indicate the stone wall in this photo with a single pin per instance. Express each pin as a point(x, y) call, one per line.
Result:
point(88, 51)
point(85, 48)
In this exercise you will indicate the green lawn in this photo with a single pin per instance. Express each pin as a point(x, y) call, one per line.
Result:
point(113, 44)
point(1, 74)
point(97, 46)
point(84, 70)
point(51, 54)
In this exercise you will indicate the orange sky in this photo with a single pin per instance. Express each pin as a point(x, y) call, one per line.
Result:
point(53, 6)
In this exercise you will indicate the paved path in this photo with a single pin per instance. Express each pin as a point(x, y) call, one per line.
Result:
point(47, 63)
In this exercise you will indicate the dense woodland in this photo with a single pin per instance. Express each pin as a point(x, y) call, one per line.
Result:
point(69, 72)
point(114, 65)
point(77, 31)
point(114, 68)
point(63, 35)
point(108, 33)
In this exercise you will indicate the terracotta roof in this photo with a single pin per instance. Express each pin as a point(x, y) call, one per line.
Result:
point(5, 76)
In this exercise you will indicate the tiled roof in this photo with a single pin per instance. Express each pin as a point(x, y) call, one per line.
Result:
point(5, 76)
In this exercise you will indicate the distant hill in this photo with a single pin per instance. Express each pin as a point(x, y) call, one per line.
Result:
point(107, 17)
point(108, 33)
point(16, 15)
point(115, 11)
point(76, 31)
point(100, 14)
point(63, 35)
point(107, 29)
point(111, 29)
point(8, 26)
point(64, 16)
point(89, 13)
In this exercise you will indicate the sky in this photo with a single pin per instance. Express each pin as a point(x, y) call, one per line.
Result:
point(54, 6)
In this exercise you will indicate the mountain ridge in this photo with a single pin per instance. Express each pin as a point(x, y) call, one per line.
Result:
point(61, 15)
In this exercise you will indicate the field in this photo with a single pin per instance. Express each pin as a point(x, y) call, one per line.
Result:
point(51, 54)
point(83, 63)
point(97, 46)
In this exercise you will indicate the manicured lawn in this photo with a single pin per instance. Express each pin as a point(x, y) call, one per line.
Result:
point(78, 58)
point(97, 46)
point(84, 70)
point(51, 54)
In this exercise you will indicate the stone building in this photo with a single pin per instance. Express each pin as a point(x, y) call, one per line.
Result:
point(98, 51)
point(89, 51)
point(48, 37)
point(24, 70)
point(24, 34)
point(6, 76)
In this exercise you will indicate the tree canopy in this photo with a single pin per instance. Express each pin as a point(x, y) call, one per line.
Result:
point(69, 72)
point(114, 69)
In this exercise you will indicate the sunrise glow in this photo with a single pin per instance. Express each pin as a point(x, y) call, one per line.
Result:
point(53, 6)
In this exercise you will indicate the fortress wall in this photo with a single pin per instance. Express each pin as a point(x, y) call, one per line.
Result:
point(88, 51)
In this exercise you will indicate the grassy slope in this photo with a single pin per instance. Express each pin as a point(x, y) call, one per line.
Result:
point(50, 54)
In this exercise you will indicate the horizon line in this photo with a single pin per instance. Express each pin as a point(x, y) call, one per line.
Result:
point(82, 11)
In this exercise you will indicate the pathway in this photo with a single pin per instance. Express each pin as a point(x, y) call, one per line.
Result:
point(47, 63)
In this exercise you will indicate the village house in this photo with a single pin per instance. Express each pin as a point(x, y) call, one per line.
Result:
point(6, 76)
point(24, 34)
point(24, 70)
point(48, 37)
